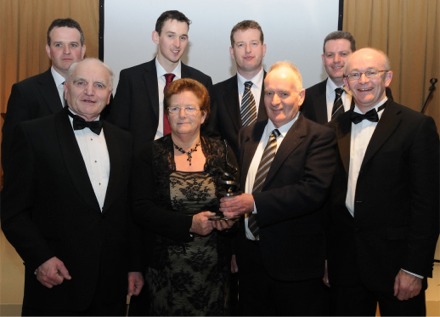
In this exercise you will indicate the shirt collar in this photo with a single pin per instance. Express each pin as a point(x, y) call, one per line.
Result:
point(331, 86)
point(58, 78)
point(257, 80)
point(160, 71)
point(283, 129)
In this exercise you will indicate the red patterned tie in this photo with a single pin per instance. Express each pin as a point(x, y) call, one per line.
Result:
point(166, 124)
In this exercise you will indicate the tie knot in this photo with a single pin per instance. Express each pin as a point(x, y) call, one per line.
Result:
point(338, 92)
point(248, 85)
point(169, 78)
point(275, 133)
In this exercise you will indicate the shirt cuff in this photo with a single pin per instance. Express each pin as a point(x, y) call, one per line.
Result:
point(414, 274)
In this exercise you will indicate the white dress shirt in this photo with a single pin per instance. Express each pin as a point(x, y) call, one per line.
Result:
point(361, 134)
point(96, 158)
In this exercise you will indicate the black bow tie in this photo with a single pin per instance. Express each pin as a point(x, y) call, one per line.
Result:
point(369, 115)
point(79, 124)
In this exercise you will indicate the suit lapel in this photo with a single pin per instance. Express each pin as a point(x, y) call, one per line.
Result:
point(74, 160)
point(343, 131)
point(49, 92)
point(249, 145)
point(293, 139)
point(116, 159)
point(385, 127)
point(230, 96)
point(262, 115)
point(150, 79)
point(321, 103)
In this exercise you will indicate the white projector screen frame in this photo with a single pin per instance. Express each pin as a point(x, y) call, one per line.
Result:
point(294, 30)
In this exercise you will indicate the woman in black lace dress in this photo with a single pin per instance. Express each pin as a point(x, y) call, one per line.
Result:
point(174, 186)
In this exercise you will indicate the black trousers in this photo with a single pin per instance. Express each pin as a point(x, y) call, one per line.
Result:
point(261, 295)
point(359, 301)
point(107, 301)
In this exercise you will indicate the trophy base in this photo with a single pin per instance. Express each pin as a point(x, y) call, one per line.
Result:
point(229, 194)
point(218, 217)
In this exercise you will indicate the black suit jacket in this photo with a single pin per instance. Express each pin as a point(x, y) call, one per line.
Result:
point(228, 118)
point(395, 223)
point(49, 209)
point(314, 106)
point(136, 104)
point(32, 98)
point(290, 210)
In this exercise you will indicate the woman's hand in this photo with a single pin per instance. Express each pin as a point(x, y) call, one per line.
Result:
point(201, 224)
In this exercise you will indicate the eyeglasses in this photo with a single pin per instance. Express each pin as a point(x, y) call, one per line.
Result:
point(187, 109)
point(372, 73)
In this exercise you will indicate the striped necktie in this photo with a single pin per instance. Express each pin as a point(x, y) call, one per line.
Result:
point(248, 108)
point(263, 170)
point(338, 106)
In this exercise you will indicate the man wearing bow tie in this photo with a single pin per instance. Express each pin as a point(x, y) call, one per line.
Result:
point(65, 204)
point(384, 217)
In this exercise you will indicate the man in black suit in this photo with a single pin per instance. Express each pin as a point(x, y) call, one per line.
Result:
point(282, 266)
point(42, 95)
point(384, 218)
point(319, 100)
point(138, 102)
point(65, 204)
point(247, 49)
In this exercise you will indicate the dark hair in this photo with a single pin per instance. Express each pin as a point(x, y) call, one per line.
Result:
point(68, 22)
point(170, 15)
point(187, 84)
point(340, 35)
point(245, 25)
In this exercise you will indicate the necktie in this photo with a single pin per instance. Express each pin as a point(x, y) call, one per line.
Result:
point(369, 115)
point(166, 124)
point(338, 107)
point(248, 109)
point(263, 170)
point(79, 123)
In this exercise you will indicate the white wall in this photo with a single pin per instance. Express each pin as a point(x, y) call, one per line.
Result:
point(294, 30)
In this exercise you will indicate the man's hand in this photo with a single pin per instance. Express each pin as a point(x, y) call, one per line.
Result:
point(406, 285)
point(135, 283)
point(236, 206)
point(52, 273)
